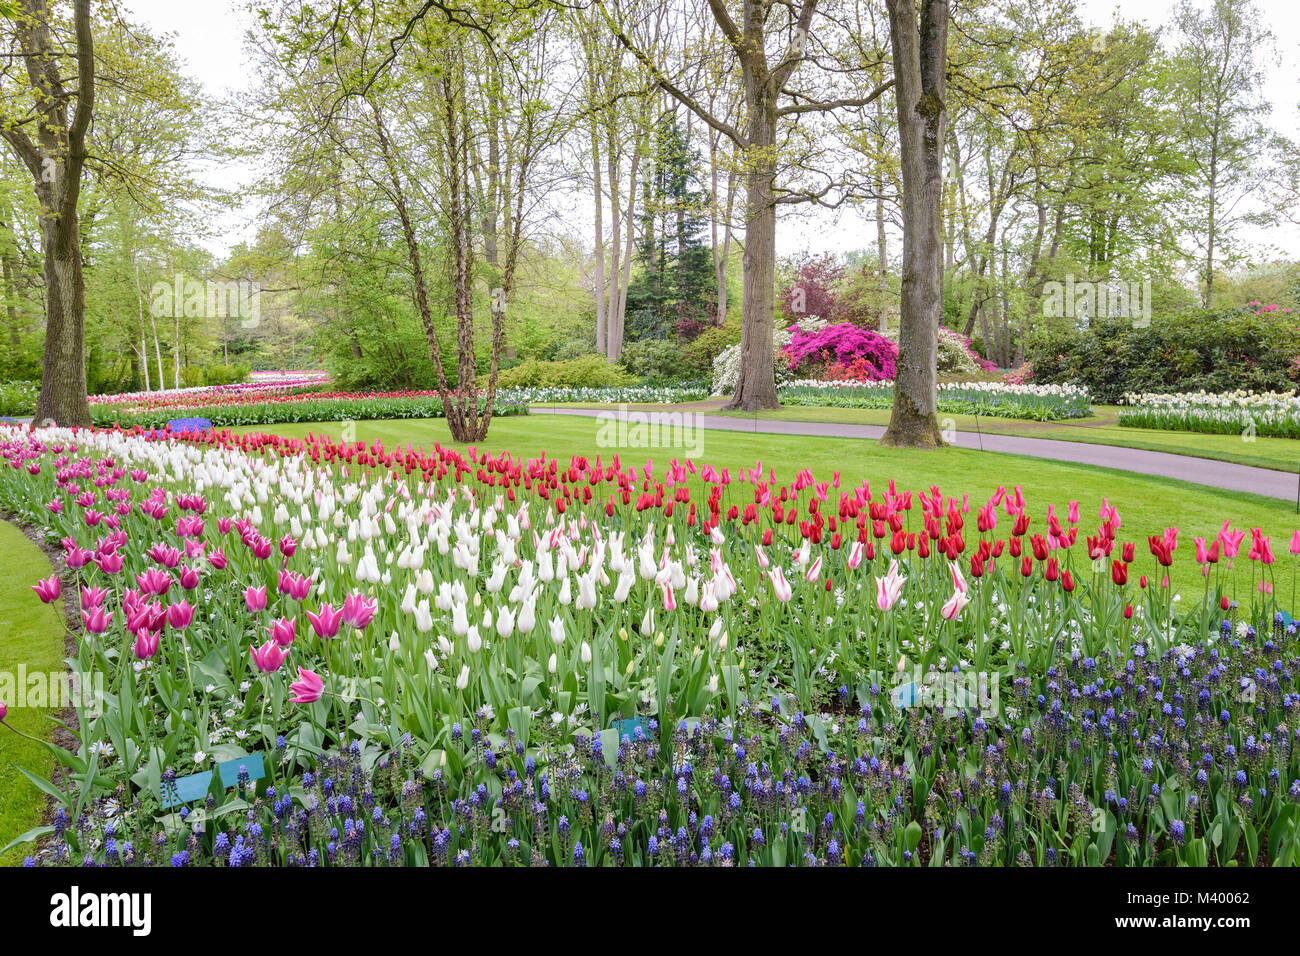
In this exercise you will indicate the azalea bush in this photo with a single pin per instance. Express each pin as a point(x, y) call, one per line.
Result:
point(674, 656)
point(843, 345)
point(1275, 414)
point(996, 399)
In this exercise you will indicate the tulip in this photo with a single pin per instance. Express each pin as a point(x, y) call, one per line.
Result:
point(255, 598)
point(283, 631)
point(462, 679)
point(307, 689)
point(146, 644)
point(954, 605)
point(92, 597)
point(1295, 542)
point(96, 620)
point(109, 563)
point(557, 631)
point(780, 586)
point(358, 611)
point(889, 587)
point(49, 589)
point(326, 622)
point(586, 653)
point(189, 578)
point(180, 615)
point(268, 657)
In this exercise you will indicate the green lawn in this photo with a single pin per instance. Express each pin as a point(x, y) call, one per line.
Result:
point(1282, 454)
point(1147, 504)
point(31, 633)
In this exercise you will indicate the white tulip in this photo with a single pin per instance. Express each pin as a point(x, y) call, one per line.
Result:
point(462, 681)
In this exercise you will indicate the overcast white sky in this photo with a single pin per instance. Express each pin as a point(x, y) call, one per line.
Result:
point(209, 38)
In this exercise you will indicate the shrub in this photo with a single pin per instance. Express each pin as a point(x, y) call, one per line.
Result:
point(844, 344)
point(655, 361)
point(587, 371)
point(1197, 350)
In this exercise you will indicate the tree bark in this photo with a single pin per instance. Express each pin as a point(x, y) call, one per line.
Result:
point(920, 67)
point(55, 160)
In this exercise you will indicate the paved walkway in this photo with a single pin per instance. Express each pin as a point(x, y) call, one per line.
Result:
point(1202, 471)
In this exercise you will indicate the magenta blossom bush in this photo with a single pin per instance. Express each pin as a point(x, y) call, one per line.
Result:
point(844, 344)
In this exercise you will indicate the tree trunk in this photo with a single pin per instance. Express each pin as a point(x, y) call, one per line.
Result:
point(920, 65)
point(63, 378)
point(756, 383)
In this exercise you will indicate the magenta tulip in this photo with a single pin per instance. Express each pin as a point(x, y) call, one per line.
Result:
point(308, 688)
point(48, 589)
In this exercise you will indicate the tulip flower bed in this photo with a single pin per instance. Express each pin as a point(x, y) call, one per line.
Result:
point(995, 399)
point(459, 658)
point(1269, 414)
point(279, 406)
point(261, 384)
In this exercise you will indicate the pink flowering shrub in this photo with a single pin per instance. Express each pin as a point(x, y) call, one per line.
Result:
point(843, 352)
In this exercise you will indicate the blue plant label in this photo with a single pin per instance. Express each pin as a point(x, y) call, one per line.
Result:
point(629, 727)
point(905, 695)
point(187, 789)
point(229, 769)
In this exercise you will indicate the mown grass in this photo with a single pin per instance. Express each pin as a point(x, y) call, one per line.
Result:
point(31, 633)
point(1102, 428)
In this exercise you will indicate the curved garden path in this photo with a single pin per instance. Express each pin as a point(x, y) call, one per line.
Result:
point(1203, 471)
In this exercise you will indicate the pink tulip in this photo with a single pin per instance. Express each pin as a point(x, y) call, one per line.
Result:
point(146, 644)
point(953, 606)
point(889, 587)
point(255, 598)
point(96, 620)
point(283, 630)
point(49, 589)
point(288, 545)
point(217, 559)
point(958, 581)
point(180, 615)
point(780, 585)
point(308, 688)
point(326, 622)
point(1295, 542)
point(268, 657)
point(79, 558)
point(814, 569)
point(92, 597)
point(154, 581)
point(358, 611)
point(189, 578)
point(109, 563)
point(855, 554)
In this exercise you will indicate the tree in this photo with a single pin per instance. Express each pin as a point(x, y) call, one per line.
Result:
point(769, 98)
point(920, 76)
point(53, 148)
point(1220, 77)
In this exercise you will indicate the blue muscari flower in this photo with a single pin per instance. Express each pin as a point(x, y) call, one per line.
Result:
point(1179, 831)
point(758, 837)
point(181, 859)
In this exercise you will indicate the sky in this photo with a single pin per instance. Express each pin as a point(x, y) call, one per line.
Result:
point(209, 38)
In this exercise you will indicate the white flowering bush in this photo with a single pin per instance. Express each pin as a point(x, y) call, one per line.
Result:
point(726, 366)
